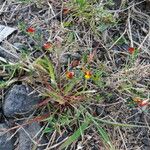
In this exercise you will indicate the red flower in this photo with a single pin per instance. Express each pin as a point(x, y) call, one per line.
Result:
point(70, 74)
point(65, 11)
point(140, 102)
point(31, 30)
point(47, 45)
point(131, 50)
point(143, 103)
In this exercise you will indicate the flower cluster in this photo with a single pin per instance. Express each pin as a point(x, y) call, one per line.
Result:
point(31, 30)
point(48, 46)
point(87, 74)
point(140, 102)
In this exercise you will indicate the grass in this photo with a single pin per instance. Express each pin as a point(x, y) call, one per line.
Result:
point(92, 29)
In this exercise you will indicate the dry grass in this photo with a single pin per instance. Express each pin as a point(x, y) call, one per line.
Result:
point(118, 76)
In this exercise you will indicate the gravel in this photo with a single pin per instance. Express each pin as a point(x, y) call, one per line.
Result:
point(5, 142)
point(29, 137)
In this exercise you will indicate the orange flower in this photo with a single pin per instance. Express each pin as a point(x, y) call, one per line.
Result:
point(137, 99)
point(140, 102)
point(31, 30)
point(88, 74)
point(65, 11)
point(143, 103)
point(131, 50)
point(70, 74)
point(47, 45)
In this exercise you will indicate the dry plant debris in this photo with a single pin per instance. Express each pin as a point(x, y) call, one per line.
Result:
point(89, 63)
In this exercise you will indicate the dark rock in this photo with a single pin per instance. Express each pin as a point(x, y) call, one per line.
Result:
point(37, 54)
point(100, 111)
point(116, 48)
point(2, 1)
point(31, 131)
point(19, 100)
point(125, 47)
point(146, 141)
point(117, 4)
point(94, 147)
point(65, 58)
point(0, 109)
point(5, 142)
point(62, 137)
point(144, 133)
point(145, 148)
point(6, 54)
point(34, 8)
point(19, 45)
point(76, 56)
point(135, 116)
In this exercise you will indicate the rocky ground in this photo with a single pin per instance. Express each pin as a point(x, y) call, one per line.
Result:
point(41, 109)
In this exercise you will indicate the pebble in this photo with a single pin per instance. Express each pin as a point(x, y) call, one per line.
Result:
point(65, 58)
point(5, 54)
point(19, 45)
point(100, 111)
point(19, 100)
point(116, 48)
point(62, 137)
point(5, 142)
point(2, 1)
point(125, 47)
point(145, 148)
point(146, 141)
point(76, 56)
point(30, 134)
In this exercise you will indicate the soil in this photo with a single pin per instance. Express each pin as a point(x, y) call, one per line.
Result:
point(120, 82)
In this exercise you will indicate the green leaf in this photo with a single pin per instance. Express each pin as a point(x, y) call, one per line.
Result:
point(47, 65)
point(48, 130)
point(102, 27)
point(76, 134)
point(81, 2)
point(69, 87)
point(55, 96)
point(102, 132)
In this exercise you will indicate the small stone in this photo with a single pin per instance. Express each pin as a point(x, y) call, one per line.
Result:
point(145, 148)
point(7, 55)
point(62, 137)
point(2, 1)
point(34, 8)
point(116, 48)
point(125, 47)
point(100, 111)
point(76, 56)
point(20, 99)
point(65, 58)
point(146, 142)
point(117, 4)
point(30, 132)
point(37, 54)
point(19, 46)
point(5, 142)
